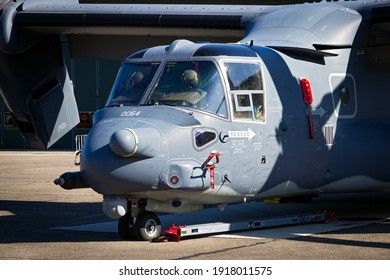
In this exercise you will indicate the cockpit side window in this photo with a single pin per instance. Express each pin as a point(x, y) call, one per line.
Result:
point(192, 84)
point(131, 83)
point(246, 90)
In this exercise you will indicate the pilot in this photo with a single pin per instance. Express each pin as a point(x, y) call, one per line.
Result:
point(136, 81)
point(190, 87)
point(135, 87)
point(187, 94)
point(189, 79)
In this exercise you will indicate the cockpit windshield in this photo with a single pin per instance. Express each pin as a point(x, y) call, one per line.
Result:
point(193, 84)
point(131, 83)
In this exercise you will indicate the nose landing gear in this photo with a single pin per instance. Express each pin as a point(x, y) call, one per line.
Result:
point(145, 226)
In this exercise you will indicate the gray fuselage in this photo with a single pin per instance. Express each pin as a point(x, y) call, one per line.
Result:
point(272, 143)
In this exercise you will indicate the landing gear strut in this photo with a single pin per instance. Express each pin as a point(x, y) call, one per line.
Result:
point(147, 226)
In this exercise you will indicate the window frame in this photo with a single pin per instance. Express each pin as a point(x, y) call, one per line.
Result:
point(234, 106)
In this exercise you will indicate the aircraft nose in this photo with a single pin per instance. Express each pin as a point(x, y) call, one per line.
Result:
point(124, 142)
point(138, 142)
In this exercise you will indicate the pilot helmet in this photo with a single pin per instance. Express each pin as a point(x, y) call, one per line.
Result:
point(136, 78)
point(190, 78)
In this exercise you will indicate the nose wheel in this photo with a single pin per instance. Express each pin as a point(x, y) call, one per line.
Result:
point(147, 226)
point(126, 227)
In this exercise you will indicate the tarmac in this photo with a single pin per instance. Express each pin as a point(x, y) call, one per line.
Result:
point(41, 221)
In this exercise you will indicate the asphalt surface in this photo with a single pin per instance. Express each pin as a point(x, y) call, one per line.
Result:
point(37, 218)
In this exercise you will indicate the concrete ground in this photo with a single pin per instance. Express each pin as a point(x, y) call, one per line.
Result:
point(39, 220)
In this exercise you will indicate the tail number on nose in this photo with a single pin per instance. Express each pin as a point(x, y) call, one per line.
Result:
point(130, 113)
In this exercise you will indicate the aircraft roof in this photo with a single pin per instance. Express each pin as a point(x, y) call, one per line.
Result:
point(185, 49)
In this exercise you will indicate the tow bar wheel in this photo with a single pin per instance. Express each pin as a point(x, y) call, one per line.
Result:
point(147, 226)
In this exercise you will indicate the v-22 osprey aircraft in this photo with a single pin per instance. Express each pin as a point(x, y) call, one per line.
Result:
point(298, 106)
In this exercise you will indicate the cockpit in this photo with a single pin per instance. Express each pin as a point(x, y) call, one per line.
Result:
point(131, 83)
point(211, 79)
point(194, 84)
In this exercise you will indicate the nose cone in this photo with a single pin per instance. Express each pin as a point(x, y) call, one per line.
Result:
point(124, 142)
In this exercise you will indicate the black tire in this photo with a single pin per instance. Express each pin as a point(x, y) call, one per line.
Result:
point(126, 227)
point(147, 226)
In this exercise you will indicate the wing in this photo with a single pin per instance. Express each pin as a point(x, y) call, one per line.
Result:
point(116, 30)
point(34, 81)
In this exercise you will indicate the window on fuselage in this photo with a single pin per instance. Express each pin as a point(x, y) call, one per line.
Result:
point(204, 137)
point(192, 84)
point(131, 83)
point(246, 90)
